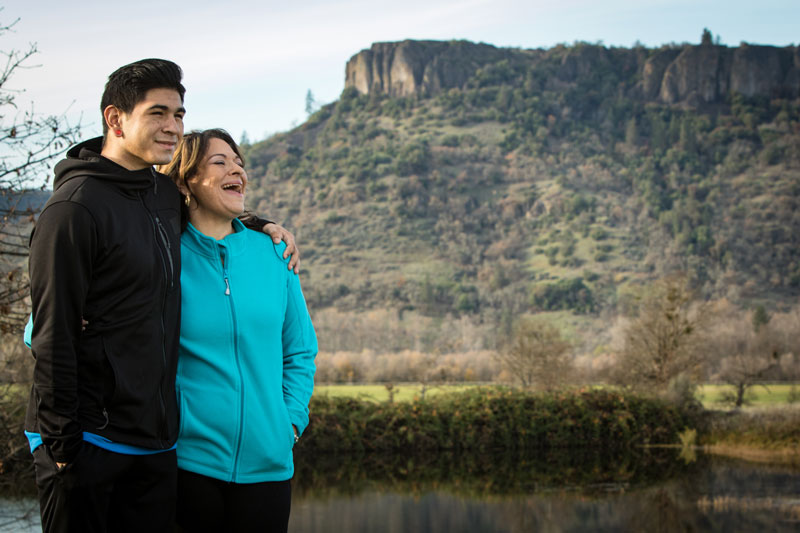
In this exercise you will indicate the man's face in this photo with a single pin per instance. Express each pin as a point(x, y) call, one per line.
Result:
point(151, 131)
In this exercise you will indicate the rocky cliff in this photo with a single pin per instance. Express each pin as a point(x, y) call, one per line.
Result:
point(693, 75)
point(707, 74)
point(414, 67)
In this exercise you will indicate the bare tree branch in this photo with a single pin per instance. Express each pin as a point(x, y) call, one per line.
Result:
point(537, 355)
point(29, 144)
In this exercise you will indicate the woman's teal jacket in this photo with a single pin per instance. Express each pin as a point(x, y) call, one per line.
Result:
point(246, 365)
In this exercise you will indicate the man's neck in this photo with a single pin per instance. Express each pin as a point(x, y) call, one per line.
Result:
point(122, 157)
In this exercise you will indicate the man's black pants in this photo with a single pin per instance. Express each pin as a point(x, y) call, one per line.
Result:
point(103, 491)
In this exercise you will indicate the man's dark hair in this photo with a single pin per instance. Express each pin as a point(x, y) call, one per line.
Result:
point(128, 85)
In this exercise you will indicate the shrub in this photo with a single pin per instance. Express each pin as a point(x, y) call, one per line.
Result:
point(483, 419)
point(451, 141)
point(413, 158)
point(769, 428)
point(564, 294)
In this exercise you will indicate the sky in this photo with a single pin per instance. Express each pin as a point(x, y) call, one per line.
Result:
point(248, 64)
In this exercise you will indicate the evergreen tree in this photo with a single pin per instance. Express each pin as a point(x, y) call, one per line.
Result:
point(311, 103)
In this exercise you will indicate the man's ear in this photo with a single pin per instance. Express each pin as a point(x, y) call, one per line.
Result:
point(113, 117)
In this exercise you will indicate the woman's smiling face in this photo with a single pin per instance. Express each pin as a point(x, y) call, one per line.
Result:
point(219, 185)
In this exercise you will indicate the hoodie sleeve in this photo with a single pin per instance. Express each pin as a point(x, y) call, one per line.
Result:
point(63, 245)
point(254, 222)
point(299, 352)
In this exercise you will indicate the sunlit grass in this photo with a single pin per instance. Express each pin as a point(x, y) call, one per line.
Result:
point(712, 396)
point(403, 392)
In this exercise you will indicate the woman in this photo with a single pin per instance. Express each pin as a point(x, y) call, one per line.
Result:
point(247, 348)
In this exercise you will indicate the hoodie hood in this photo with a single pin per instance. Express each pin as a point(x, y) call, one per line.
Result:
point(84, 159)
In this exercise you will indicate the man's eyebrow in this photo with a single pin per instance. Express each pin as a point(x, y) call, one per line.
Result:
point(162, 107)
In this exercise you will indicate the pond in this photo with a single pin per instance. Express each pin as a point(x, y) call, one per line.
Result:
point(655, 490)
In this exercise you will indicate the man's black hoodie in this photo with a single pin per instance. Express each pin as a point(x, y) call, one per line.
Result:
point(105, 248)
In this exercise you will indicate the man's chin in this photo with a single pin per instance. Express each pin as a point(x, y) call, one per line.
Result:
point(162, 158)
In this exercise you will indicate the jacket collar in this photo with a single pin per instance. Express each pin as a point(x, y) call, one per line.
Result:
point(84, 159)
point(235, 243)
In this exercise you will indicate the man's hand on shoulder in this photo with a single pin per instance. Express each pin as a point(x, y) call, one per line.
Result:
point(278, 234)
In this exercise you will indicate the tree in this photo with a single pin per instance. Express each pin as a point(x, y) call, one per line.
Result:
point(760, 317)
point(749, 350)
point(664, 341)
point(427, 373)
point(537, 355)
point(311, 103)
point(29, 143)
point(632, 132)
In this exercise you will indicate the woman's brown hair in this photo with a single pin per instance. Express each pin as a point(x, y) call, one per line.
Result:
point(189, 156)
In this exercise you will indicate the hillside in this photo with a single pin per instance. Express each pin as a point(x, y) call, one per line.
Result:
point(459, 183)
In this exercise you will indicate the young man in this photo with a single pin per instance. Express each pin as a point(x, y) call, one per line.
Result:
point(103, 418)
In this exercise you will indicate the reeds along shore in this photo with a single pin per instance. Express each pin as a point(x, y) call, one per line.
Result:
point(765, 434)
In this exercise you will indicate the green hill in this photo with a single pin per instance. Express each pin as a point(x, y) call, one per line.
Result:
point(499, 182)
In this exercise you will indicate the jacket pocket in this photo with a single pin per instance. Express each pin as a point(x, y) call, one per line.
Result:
point(96, 382)
point(134, 396)
point(291, 430)
point(209, 420)
point(110, 383)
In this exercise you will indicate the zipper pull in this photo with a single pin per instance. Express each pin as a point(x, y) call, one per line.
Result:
point(155, 180)
point(227, 287)
point(105, 416)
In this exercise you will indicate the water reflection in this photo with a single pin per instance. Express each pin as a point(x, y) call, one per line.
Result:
point(19, 514)
point(648, 490)
point(19, 509)
point(494, 474)
point(653, 491)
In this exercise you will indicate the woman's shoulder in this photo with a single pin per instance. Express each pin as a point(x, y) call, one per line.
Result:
point(265, 244)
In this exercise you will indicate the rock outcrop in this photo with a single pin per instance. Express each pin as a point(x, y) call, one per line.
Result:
point(418, 67)
point(692, 75)
point(707, 74)
point(653, 72)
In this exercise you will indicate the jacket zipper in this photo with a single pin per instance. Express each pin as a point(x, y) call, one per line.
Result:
point(165, 241)
point(160, 234)
point(240, 429)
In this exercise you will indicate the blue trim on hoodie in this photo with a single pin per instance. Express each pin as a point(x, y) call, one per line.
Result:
point(35, 440)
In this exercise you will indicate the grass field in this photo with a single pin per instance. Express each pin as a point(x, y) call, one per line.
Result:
point(758, 396)
point(377, 392)
point(709, 395)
